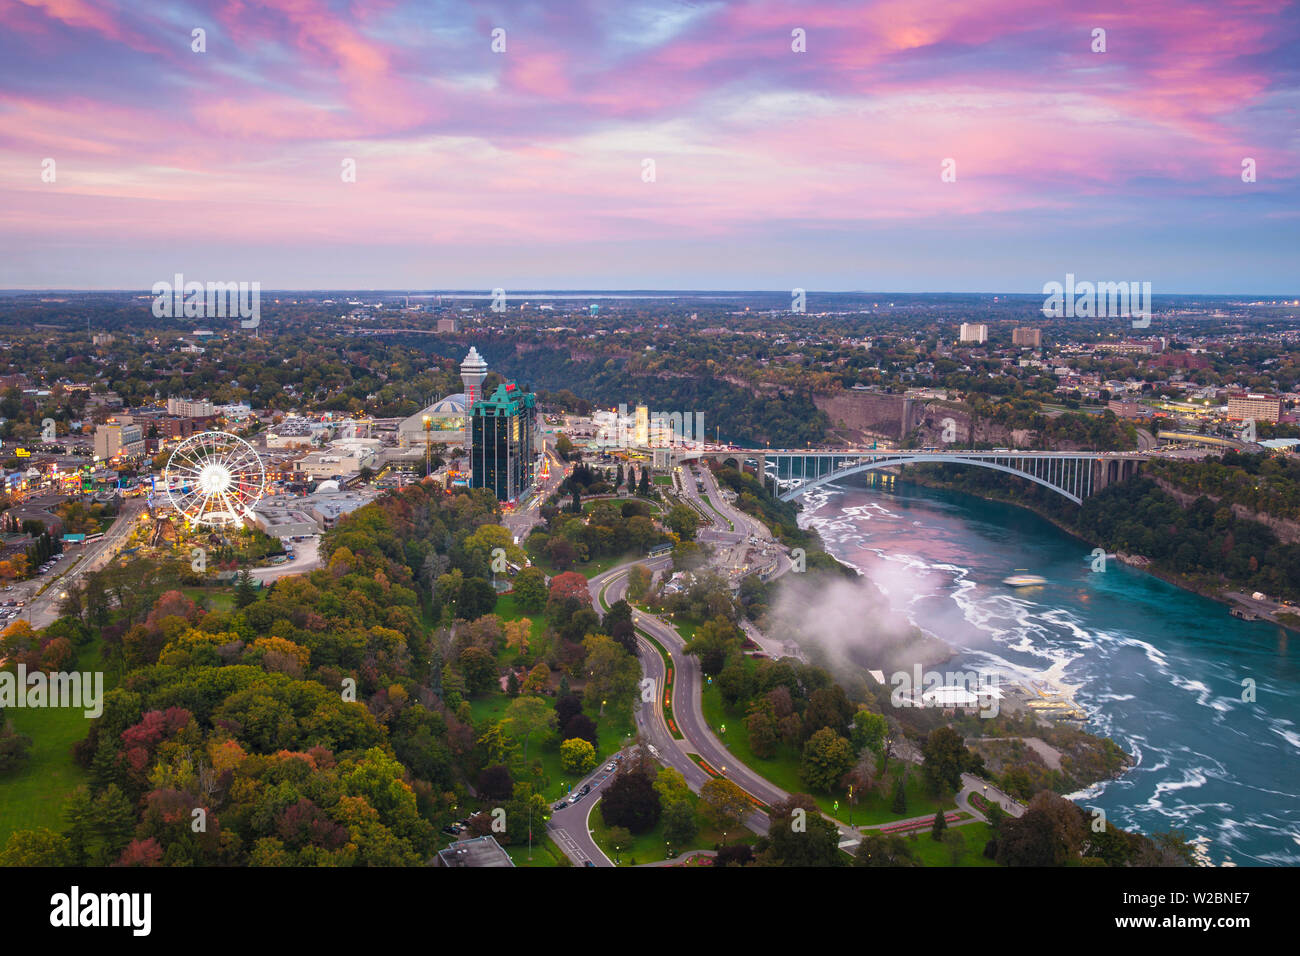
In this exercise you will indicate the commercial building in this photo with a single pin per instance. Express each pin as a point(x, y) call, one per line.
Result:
point(975, 333)
point(1130, 410)
point(327, 509)
point(284, 522)
point(1251, 405)
point(189, 408)
point(294, 433)
point(448, 325)
point(117, 439)
point(175, 428)
point(1027, 338)
point(642, 434)
point(444, 422)
point(502, 442)
point(341, 459)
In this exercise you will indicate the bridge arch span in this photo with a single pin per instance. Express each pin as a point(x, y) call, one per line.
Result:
point(792, 493)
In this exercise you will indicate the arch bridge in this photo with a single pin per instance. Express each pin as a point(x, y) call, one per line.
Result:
point(1072, 474)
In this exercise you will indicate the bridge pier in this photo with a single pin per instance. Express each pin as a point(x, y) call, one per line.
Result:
point(1111, 471)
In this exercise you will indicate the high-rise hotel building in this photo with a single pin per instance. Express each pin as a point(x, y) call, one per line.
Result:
point(502, 452)
point(1250, 405)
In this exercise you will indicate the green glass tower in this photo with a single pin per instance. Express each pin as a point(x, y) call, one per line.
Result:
point(502, 455)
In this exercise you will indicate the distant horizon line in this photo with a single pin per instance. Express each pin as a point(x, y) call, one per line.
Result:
point(580, 292)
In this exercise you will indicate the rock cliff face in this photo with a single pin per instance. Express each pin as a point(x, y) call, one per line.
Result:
point(1287, 531)
point(863, 416)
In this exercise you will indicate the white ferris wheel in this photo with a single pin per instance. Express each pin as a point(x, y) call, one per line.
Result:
point(214, 479)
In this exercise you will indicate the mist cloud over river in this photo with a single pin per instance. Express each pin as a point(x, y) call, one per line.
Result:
point(1158, 669)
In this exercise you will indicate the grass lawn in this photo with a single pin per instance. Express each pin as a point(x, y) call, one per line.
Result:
point(650, 846)
point(545, 852)
point(34, 796)
point(507, 608)
point(662, 479)
point(215, 599)
point(933, 853)
point(590, 503)
point(588, 568)
point(612, 730)
point(783, 770)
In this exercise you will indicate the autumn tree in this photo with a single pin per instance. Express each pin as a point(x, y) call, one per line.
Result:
point(723, 803)
point(577, 756)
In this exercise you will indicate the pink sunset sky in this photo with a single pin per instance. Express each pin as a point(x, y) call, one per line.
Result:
point(772, 168)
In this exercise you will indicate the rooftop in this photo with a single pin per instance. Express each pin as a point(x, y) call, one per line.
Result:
point(480, 851)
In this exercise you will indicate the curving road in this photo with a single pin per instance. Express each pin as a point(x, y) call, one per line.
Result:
point(698, 739)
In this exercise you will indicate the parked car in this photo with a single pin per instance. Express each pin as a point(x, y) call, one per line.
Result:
point(609, 767)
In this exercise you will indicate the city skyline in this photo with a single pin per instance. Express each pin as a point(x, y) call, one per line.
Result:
point(823, 170)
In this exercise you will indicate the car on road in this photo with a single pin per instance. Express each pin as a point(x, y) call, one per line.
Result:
point(575, 797)
point(586, 789)
point(587, 863)
point(609, 767)
point(560, 806)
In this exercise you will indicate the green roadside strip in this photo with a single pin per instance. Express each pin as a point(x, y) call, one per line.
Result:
point(709, 501)
point(665, 699)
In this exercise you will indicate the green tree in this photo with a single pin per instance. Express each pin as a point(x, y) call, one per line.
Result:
point(899, 803)
point(945, 759)
point(479, 668)
point(683, 521)
point(827, 757)
point(613, 674)
point(631, 801)
point(525, 718)
point(868, 732)
point(39, 847)
point(940, 824)
point(762, 726)
point(798, 835)
point(245, 592)
point(680, 825)
point(884, 849)
point(638, 582)
point(530, 590)
point(620, 838)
